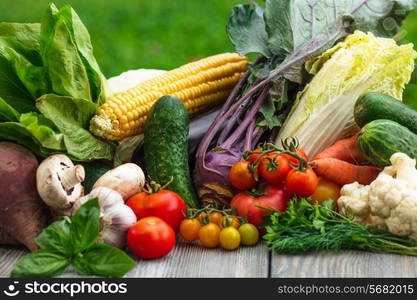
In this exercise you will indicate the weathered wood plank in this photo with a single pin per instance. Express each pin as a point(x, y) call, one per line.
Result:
point(192, 260)
point(8, 257)
point(343, 264)
point(186, 260)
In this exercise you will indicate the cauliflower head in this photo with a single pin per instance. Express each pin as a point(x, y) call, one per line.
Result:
point(389, 202)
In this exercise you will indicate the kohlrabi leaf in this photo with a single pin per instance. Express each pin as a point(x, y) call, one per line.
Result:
point(246, 29)
point(72, 117)
point(292, 23)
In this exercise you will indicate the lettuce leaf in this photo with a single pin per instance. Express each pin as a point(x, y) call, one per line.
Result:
point(7, 112)
point(323, 111)
point(72, 116)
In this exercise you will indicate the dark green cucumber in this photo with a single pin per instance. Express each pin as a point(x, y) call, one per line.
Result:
point(380, 139)
point(375, 106)
point(166, 147)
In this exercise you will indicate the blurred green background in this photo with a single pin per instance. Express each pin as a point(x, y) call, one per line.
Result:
point(131, 34)
point(161, 34)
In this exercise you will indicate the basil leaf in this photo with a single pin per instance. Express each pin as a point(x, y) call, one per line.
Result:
point(104, 260)
point(42, 263)
point(56, 237)
point(246, 30)
point(85, 225)
point(72, 117)
point(7, 112)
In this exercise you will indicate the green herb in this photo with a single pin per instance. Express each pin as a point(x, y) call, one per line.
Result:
point(305, 227)
point(67, 241)
point(51, 86)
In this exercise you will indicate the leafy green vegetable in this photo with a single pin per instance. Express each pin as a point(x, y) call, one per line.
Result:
point(67, 241)
point(50, 68)
point(323, 111)
point(305, 227)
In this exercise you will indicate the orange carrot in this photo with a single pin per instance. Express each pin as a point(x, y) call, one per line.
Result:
point(342, 172)
point(345, 150)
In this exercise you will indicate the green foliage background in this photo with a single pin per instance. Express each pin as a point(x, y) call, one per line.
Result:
point(131, 34)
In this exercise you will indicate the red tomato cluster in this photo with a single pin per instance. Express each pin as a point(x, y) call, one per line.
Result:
point(268, 180)
point(159, 215)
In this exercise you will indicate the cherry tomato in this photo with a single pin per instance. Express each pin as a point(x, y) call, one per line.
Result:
point(249, 234)
point(229, 238)
point(189, 229)
point(254, 156)
point(151, 237)
point(294, 161)
point(233, 221)
point(326, 190)
point(165, 204)
point(241, 177)
point(215, 217)
point(277, 175)
point(302, 183)
point(209, 235)
point(201, 217)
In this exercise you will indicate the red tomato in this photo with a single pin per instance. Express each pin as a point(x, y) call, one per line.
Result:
point(294, 161)
point(302, 183)
point(165, 204)
point(277, 175)
point(275, 198)
point(254, 156)
point(151, 238)
point(241, 177)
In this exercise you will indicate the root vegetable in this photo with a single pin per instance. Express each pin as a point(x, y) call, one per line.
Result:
point(345, 150)
point(22, 213)
point(342, 172)
point(7, 239)
point(59, 183)
point(127, 179)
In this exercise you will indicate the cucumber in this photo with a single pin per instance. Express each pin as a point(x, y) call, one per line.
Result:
point(166, 147)
point(374, 106)
point(93, 171)
point(380, 139)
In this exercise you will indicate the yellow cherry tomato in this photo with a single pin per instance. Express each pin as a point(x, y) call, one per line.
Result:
point(249, 234)
point(209, 235)
point(189, 229)
point(229, 238)
point(326, 190)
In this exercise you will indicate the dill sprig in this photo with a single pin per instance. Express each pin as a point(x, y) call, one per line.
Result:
point(309, 227)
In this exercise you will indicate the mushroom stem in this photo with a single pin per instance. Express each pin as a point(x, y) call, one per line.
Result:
point(72, 176)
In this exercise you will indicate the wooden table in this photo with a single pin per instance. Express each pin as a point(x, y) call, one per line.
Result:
point(191, 260)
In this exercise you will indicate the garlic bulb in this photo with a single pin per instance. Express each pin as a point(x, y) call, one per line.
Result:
point(115, 216)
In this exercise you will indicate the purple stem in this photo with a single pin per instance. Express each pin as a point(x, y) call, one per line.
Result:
point(256, 136)
point(248, 138)
point(248, 118)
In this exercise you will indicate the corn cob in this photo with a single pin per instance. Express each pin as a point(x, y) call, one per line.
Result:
point(200, 85)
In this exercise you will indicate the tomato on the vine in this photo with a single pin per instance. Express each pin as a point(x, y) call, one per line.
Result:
point(326, 190)
point(274, 168)
point(241, 177)
point(215, 217)
point(293, 160)
point(254, 156)
point(229, 238)
point(189, 229)
point(201, 216)
point(302, 183)
point(209, 235)
point(227, 221)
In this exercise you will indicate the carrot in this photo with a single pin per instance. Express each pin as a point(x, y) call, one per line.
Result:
point(342, 172)
point(345, 150)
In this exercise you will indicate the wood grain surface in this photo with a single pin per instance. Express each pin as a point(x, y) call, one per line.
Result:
point(191, 260)
point(343, 264)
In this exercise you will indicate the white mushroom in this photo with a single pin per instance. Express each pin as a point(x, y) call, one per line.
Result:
point(127, 179)
point(59, 183)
